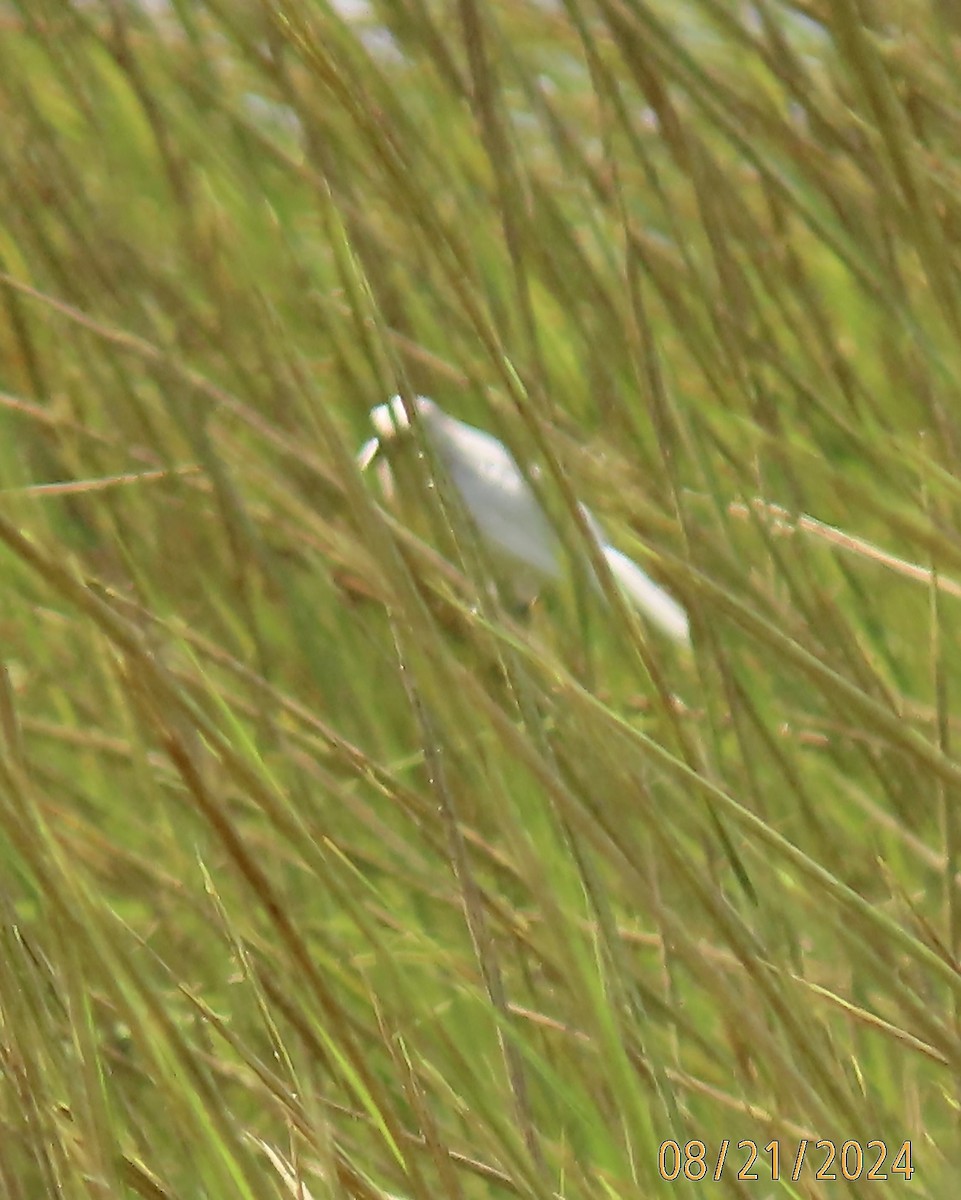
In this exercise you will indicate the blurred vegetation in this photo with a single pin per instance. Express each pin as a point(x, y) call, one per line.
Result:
point(324, 871)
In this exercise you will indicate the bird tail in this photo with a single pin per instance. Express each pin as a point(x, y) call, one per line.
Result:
point(647, 597)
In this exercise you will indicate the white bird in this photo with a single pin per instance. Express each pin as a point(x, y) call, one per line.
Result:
point(507, 513)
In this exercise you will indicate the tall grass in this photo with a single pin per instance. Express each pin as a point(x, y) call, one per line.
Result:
point(325, 870)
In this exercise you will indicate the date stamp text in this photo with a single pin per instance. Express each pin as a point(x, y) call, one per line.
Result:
point(825, 1160)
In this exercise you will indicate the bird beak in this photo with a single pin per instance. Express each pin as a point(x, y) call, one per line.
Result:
point(368, 452)
point(388, 420)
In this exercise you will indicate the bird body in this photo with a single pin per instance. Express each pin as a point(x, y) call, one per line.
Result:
point(494, 491)
point(506, 511)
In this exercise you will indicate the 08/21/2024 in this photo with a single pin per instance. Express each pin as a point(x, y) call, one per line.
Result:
point(826, 1159)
